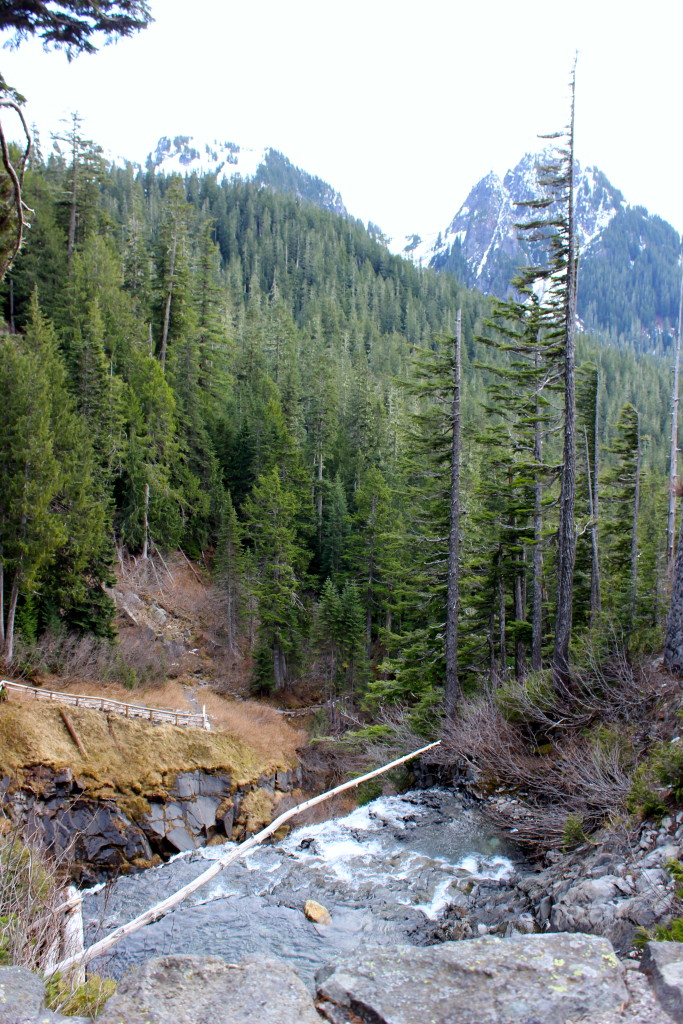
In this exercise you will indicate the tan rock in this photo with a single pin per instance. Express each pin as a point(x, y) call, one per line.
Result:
point(317, 913)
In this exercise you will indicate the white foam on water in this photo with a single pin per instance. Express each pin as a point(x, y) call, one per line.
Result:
point(439, 901)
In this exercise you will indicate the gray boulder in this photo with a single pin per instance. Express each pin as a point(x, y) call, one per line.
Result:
point(530, 979)
point(207, 990)
point(663, 964)
point(22, 1000)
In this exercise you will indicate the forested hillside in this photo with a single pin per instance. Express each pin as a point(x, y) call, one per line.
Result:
point(229, 369)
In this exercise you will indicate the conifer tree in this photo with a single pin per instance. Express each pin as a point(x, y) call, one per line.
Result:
point(622, 506)
point(229, 571)
point(50, 508)
point(270, 524)
point(173, 303)
point(561, 181)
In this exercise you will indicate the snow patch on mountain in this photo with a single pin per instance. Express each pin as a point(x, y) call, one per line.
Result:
point(186, 155)
point(484, 238)
point(269, 168)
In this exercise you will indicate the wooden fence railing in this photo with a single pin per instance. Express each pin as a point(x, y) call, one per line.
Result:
point(185, 718)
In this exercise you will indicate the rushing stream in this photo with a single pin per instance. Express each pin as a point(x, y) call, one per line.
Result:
point(381, 872)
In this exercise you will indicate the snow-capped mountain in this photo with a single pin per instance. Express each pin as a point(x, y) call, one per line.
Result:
point(482, 241)
point(186, 154)
point(628, 277)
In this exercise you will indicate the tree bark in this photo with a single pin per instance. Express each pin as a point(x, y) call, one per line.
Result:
point(502, 646)
point(566, 531)
point(145, 524)
point(453, 693)
point(72, 205)
point(11, 615)
point(520, 615)
point(169, 298)
point(537, 597)
point(673, 642)
point(595, 560)
point(634, 540)
point(673, 454)
point(2, 604)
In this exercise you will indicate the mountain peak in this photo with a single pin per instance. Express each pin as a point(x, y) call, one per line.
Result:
point(186, 154)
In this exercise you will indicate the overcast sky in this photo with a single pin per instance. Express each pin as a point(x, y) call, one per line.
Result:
point(400, 106)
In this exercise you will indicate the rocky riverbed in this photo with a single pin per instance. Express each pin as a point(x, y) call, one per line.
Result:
point(384, 873)
point(611, 887)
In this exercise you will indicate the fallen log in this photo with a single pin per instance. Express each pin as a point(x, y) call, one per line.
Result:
point(159, 910)
point(72, 732)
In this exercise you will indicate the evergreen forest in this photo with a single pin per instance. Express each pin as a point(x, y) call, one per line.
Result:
point(231, 370)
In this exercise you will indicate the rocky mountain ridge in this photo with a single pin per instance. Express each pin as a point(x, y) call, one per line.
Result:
point(629, 278)
point(629, 275)
point(186, 154)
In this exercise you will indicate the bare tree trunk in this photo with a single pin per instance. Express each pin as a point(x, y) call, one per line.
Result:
point(566, 531)
point(319, 494)
point(145, 524)
point(72, 205)
point(520, 615)
point(537, 596)
point(673, 455)
point(502, 646)
point(596, 599)
point(12, 325)
point(595, 560)
point(673, 642)
point(276, 666)
point(169, 298)
point(493, 667)
point(453, 692)
point(634, 539)
point(11, 614)
point(2, 604)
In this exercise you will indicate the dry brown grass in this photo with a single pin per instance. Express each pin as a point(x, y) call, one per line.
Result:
point(170, 694)
point(33, 891)
point(125, 757)
point(260, 727)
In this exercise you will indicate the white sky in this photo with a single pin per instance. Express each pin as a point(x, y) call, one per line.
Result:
point(401, 106)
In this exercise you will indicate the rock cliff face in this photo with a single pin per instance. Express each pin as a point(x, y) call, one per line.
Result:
point(628, 279)
point(183, 813)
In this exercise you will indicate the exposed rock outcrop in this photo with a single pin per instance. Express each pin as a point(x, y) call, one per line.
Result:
point(611, 888)
point(540, 979)
point(196, 990)
point(22, 1000)
point(183, 812)
point(523, 980)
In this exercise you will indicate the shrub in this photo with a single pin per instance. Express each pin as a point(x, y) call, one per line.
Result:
point(85, 1000)
point(657, 781)
point(30, 893)
point(574, 834)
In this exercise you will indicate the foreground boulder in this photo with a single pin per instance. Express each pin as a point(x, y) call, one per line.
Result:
point(531, 979)
point(22, 1000)
point(536, 979)
point(199, 990)
point(663, 964)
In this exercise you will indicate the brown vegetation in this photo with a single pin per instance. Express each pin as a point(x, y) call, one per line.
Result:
point(126, 757)
point(564, 758)
point(32, 893)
